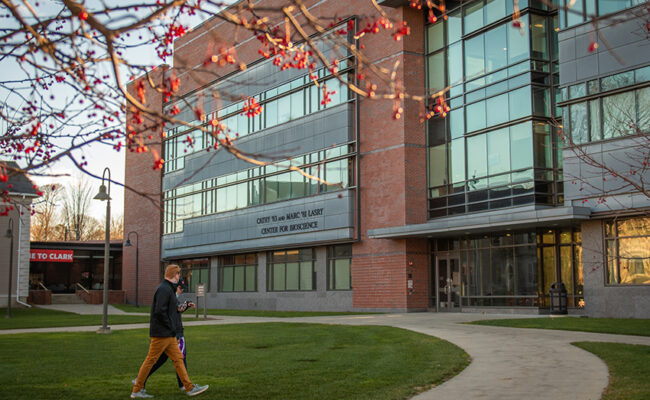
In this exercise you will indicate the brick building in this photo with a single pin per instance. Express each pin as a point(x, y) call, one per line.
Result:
point(469, 212)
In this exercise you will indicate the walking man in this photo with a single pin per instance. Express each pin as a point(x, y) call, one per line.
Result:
point(162, 330)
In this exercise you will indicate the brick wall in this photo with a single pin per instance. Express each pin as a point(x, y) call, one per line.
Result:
point(393, 181)
point(392, 159)
point(142, 205)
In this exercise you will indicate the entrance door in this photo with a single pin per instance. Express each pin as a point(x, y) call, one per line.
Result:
point(448, 286)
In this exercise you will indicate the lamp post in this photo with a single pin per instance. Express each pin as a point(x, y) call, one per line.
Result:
point(10, 235)
point(106, 195)
point(137, 248)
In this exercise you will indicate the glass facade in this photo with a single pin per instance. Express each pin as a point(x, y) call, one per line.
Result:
point(238, 273)
point(583, 10)
point(291, 270)
point(193, 271)
point(260, 185)
point(289, 101)
point(628, 251)
point(496, 148)
point(597, 110)
point(339, 261)
point(516, 269)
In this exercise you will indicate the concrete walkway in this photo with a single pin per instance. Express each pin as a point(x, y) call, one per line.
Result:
point(89, 309)
point(507, 363)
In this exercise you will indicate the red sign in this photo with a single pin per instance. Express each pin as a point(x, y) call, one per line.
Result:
point(51, 255)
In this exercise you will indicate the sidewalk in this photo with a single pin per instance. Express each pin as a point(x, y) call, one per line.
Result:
point(87, 309)
point(507, 363)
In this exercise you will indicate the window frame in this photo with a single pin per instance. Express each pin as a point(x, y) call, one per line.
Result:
point(331, 267)
point(615, 240)
point(223, 265)
point(271, 264)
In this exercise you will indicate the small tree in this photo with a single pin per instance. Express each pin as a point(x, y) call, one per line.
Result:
point(76, 203)
point(45, 217)
point(117, 226)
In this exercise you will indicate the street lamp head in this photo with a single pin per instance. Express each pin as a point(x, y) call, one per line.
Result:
point(102, 195)
point(128, 243)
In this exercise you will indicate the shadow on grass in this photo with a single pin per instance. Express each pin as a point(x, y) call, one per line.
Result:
point(241, 361)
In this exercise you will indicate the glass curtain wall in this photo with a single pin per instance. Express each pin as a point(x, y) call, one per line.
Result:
point(496, 148)
point(260, 185)
point(584, 10)
point(516, 269)
point(597, 110)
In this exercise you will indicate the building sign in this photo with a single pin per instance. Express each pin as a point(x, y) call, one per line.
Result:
point(290, 222)
point(51, 255)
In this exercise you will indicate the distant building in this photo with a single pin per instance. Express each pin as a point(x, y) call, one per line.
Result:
point(21, 193)
point(76, 267)
point(481, 210)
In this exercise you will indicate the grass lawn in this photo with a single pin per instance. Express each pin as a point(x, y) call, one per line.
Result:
point(243, 361)
point(245, 313)
point(639, 327)
point(23, 318)
point(629, 369)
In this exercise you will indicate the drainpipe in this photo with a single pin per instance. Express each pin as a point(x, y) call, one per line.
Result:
point(20, 225)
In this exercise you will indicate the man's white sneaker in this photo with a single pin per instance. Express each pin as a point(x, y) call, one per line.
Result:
point(197, 389)
point(142, 394)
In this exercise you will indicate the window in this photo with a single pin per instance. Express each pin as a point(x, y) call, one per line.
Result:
point(259, 185)
point(238, 273)
point(195, 271)
point(339, 260)
point(609, 116)
point(437, 71)
point(628, 251)
point(490, 149)
point(579, 131)
point(473, 16)
point(291, 270)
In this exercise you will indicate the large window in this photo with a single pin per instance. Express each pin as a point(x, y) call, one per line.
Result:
point(292, 100)
point(628, 251)
point(195, 271)
point(259, 185)
point(238, 273)
point(291, 270)
point(505, 167)
point(517, 269)
point(496, 146)
point(583, 10)
point(612, 115)
point(339, 261)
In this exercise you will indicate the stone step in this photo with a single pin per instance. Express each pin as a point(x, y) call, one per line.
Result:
point(67, 298)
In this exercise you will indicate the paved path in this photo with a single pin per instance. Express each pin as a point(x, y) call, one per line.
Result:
point(507, 363)
point(86, 309)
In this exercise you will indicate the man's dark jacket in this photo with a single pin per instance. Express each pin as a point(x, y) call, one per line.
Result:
point(164, 314)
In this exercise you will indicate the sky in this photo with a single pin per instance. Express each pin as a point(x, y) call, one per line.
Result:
point(97, 155)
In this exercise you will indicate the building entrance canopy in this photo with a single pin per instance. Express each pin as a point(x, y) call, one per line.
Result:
point(527, 217)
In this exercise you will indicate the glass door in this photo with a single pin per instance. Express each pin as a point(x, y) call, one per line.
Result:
point(448, 283)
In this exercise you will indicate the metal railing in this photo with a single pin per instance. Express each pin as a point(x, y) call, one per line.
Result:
point(82, 288)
